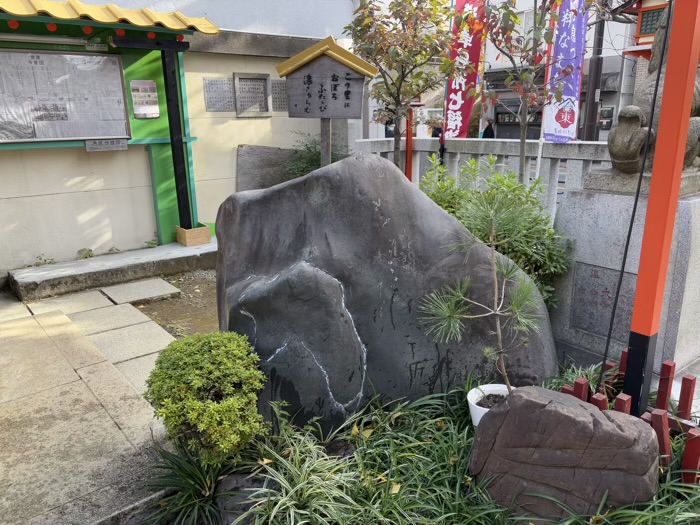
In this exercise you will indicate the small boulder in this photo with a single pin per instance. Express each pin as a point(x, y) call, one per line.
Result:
point(540, 442)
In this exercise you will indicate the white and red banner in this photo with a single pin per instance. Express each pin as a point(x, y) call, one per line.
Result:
point(459, 103)
point(561, 117)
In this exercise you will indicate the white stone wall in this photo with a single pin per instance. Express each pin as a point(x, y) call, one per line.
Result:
point(54, 202)
point(219, 134)
point(642, 73)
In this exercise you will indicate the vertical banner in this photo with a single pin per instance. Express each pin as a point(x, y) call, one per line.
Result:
point(458, 104)
point(561, 117)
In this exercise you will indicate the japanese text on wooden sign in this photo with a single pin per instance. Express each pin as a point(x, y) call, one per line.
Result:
point(325, 88)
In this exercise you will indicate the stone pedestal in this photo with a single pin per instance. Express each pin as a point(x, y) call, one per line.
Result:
point(597, 218)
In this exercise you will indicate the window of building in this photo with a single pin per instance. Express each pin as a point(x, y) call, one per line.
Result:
point(649, 21)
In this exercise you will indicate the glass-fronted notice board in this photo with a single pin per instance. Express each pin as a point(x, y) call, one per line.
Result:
point(51, 96)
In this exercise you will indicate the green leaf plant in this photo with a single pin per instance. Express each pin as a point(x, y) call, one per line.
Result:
point(409, 42)
point(513, 306)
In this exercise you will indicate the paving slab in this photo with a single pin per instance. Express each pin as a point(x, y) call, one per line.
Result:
point(110, 505)
point(133, 414)
point(29, 361)
point(56, 445)
point(141, 291)
point(137, 370)
point(12, 308)
point(72, 303)
point(132, 341)
point(110, 318)
point(31, 284)
point(68, 338)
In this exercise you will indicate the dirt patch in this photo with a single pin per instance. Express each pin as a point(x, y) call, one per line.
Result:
point(194, 311)
point(490, 400)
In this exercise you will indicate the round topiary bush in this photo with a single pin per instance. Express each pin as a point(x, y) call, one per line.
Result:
point(205, 388)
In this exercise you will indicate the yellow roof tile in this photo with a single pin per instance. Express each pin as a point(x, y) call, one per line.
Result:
point(332, 49)
point(107, 14)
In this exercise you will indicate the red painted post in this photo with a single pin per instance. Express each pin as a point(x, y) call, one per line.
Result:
point(568, 389)
point(668, 370)
point(582, 389)
point(691, 458)
point(623, 403)
point(623, 361)
point(685, 403)
point(609, 365)
point(646, 417)
point(600, 400)
point(670, 149)
point(409, 145)
point(659, 422)
point(623, 366)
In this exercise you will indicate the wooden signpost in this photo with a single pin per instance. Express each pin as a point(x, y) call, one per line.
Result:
point(326, 82)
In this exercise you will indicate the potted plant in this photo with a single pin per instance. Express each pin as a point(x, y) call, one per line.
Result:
point(502, 219)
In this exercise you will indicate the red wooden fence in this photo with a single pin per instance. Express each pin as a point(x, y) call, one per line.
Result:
point(657, 417)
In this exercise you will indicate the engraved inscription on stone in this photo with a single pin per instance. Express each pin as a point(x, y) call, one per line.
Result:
point(252, 94)
point(279, 95)
point(593, 297)
point(218, 95)
point(325, 88)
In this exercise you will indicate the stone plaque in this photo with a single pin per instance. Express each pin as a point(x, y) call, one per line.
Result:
point(219, 95)
point(592, 301)
point(325, 88)
point(253, 97)
point(93, 145)
point(279, 95)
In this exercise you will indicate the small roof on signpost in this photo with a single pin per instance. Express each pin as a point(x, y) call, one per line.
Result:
point(330, 48)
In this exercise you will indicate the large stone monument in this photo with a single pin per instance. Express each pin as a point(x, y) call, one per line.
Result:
point(326, 273)
point(596, 218)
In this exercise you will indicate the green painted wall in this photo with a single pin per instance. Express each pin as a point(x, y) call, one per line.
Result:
point(147, 66)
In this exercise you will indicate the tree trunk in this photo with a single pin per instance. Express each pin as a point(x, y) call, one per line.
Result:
point(496, 301)
point(524, 176)
point(397, 141)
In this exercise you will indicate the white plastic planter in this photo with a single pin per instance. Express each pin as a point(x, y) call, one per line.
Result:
point(475, 394)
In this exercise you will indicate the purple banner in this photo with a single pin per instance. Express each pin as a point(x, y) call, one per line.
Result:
point(561, 117)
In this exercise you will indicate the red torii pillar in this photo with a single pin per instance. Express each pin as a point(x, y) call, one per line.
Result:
point(681, 70)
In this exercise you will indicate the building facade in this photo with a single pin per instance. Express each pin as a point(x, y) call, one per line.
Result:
point(57, 198)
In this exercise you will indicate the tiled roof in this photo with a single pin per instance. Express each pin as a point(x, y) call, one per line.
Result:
point(107, 14)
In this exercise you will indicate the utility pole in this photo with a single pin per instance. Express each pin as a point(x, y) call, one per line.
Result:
point(595, 72)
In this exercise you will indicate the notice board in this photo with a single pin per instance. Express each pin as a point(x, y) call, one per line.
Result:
point(52, 96)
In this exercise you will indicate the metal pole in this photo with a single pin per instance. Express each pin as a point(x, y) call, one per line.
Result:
point(409, 145)
point(177, 145)
point(595, 72)
point(664, 192)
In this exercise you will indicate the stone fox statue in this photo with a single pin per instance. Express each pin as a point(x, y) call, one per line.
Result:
point(626, 141)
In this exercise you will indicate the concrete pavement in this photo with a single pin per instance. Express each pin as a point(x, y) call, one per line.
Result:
point(75, 431)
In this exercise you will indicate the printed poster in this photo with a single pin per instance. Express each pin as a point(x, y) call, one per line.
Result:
point(144, 96)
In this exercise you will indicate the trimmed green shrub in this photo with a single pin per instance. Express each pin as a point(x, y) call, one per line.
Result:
point(205, 387)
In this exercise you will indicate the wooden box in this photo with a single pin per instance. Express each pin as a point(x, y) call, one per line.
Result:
point(193, 237)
